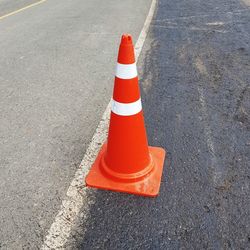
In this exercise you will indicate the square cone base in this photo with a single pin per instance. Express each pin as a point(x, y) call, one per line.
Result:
point(147, 186)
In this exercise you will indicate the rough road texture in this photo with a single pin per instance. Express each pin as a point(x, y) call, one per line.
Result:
point(195, 88)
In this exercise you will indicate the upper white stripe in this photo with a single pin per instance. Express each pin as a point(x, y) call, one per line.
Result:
point(126, 109)
point(126, 71)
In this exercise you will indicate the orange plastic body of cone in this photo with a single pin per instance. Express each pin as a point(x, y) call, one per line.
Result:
point(126, 163)
point(127, 147)
point(126, 50)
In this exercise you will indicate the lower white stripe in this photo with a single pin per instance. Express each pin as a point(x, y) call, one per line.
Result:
point(126, 71)
point(126, 109)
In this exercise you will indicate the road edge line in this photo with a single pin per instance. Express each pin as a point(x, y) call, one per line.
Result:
point(60, 229)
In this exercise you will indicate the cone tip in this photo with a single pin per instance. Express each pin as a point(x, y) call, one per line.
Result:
point(126, 39)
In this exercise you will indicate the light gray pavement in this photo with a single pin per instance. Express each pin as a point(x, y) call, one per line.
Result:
point(56, 74)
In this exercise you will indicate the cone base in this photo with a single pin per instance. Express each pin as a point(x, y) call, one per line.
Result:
point(147, 186)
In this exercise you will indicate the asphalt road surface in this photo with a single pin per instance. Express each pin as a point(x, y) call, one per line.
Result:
point(57, 62)
point(195, 75)
point(56, 73)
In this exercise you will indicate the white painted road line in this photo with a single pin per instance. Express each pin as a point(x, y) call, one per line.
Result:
point(22, 9)
point(60, 229)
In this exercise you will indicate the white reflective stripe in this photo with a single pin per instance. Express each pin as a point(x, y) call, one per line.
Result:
point(126, 109)
point(126, 71)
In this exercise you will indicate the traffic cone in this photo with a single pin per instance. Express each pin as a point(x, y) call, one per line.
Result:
point(125, 163)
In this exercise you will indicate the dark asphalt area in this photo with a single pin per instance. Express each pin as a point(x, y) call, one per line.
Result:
point(194, 73)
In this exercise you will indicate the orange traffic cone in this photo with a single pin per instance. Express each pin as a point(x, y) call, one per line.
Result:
point(125, 163)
